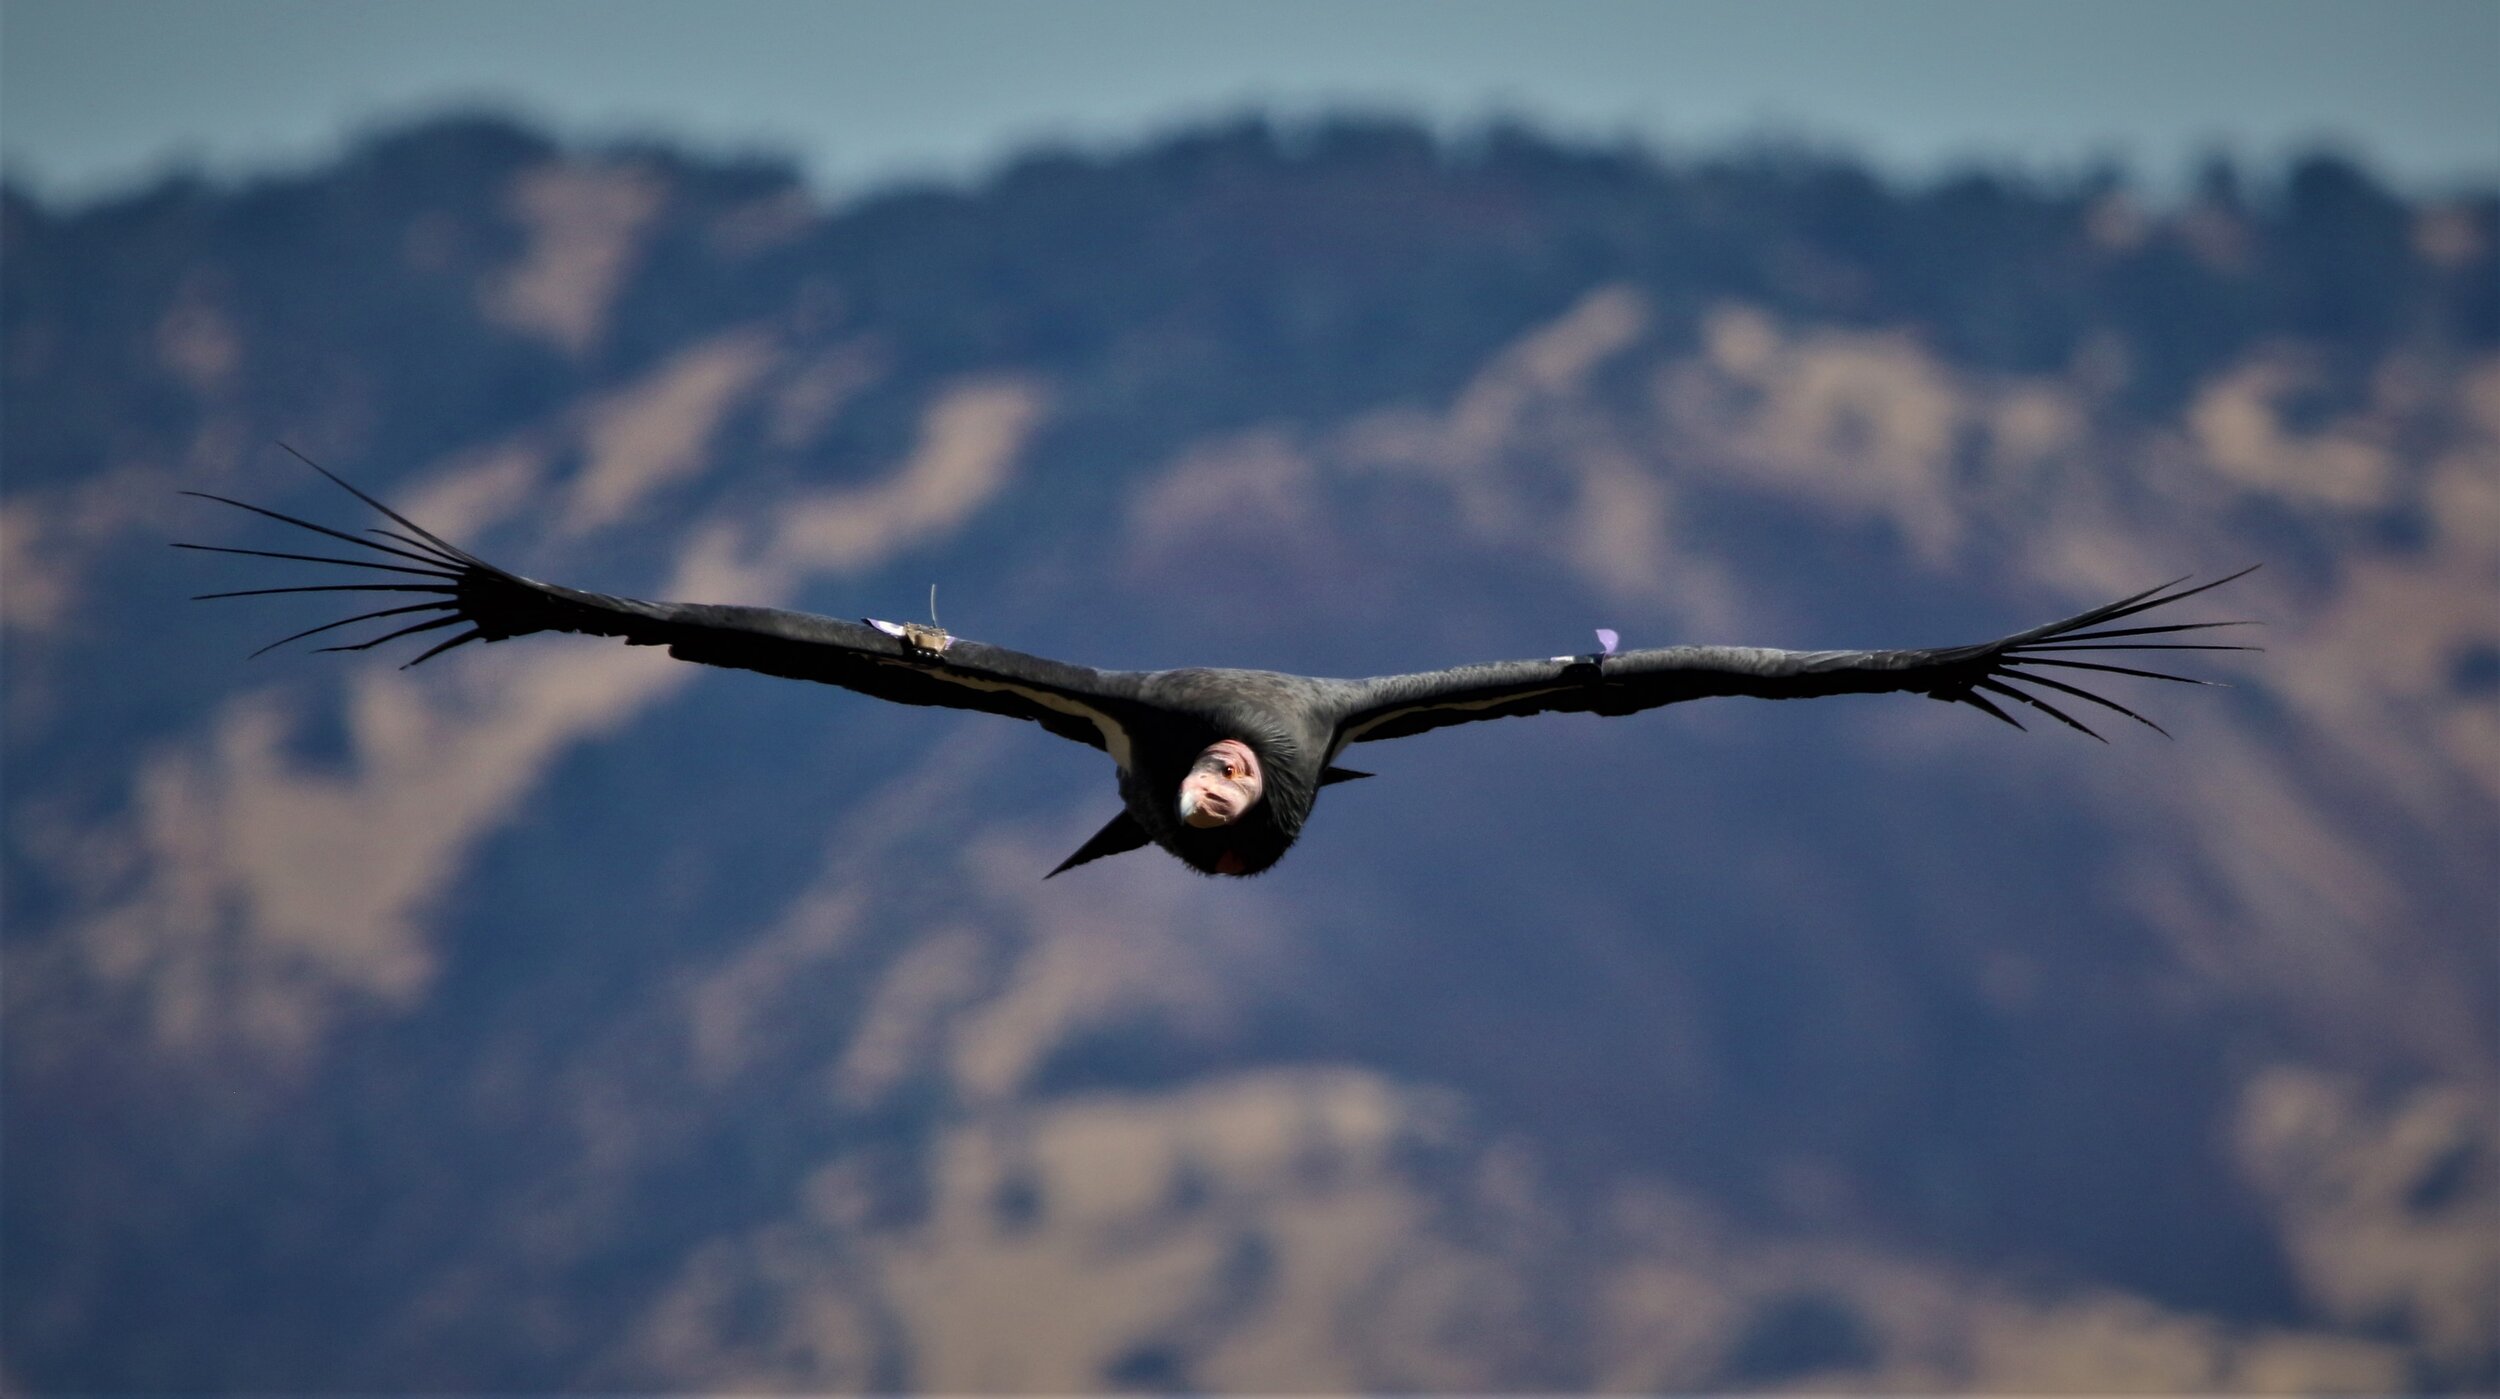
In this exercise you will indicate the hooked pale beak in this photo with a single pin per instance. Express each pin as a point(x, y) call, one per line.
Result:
point(1224, 783)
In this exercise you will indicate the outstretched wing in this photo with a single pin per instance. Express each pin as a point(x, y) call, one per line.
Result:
point(459, 592)
point(2046, 669)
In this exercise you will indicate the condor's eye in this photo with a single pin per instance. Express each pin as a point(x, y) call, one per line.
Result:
point(1231, 769)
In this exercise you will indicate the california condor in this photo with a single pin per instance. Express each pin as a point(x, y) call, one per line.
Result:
point(1219, 767)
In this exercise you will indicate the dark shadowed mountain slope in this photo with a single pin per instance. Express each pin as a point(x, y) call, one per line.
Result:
point(560, 1016)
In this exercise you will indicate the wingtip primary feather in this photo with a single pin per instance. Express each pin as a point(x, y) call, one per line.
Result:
point(410, 525)
point(2083, 694)
point(428, 563)
point(2059, 643)
point(313, 558)
point(393, 636)
point(2001, 688)
point(1981, 703)
point(341, 535)
point(473, 634)
point(348, 621)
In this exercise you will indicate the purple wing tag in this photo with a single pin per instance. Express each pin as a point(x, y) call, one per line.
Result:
point(1606, 639)
point(888, 628)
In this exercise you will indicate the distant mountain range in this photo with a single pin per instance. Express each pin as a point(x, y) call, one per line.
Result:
point(559, 1016)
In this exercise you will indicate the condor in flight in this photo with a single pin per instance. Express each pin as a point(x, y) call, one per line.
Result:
point(1219, 767)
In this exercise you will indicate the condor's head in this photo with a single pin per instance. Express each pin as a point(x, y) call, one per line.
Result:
point(1237, 806)
point(1222, 785)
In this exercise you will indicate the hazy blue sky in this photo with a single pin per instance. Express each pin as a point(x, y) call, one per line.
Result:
point(96, 94)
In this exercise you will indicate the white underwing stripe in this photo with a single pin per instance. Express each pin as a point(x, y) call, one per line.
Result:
point(1114, 738)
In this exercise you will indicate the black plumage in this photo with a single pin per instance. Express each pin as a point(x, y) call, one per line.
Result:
point(1156, 724)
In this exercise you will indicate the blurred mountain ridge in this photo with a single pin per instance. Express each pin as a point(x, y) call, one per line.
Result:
point(558, 1016)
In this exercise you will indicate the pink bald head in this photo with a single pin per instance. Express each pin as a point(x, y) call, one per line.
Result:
point(1224, 783)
